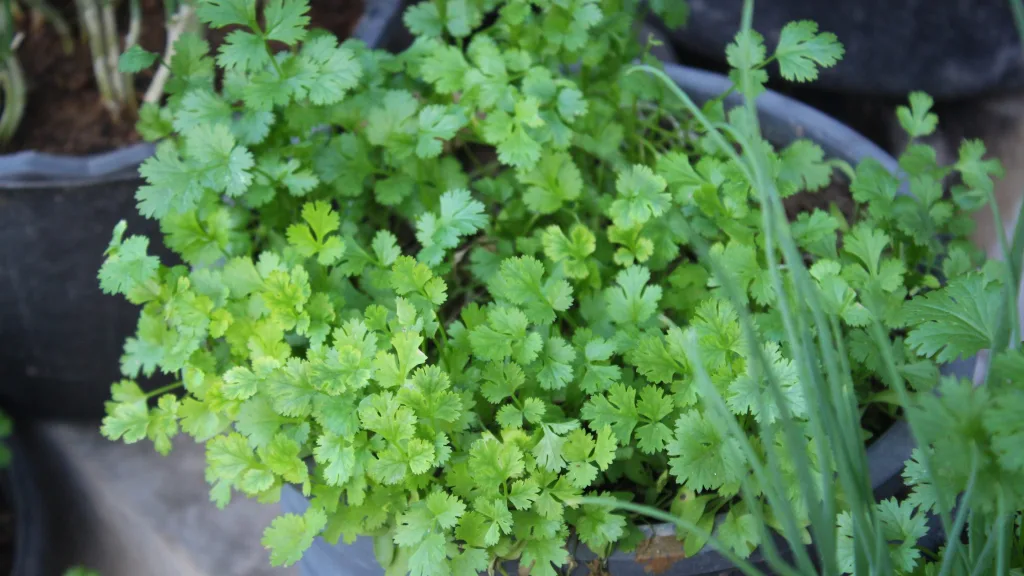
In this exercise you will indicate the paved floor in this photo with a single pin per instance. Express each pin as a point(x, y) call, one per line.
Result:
point(127, 511)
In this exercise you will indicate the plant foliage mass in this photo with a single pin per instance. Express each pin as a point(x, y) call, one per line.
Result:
point(448, 292)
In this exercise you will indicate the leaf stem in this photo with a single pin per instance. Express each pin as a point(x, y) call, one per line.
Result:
point(164, 389)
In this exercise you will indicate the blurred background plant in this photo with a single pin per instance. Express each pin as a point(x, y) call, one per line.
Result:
point(98, 28)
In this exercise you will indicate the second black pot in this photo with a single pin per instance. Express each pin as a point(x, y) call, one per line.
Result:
point(948, 48)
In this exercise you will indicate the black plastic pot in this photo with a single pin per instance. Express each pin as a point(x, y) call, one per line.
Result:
point(948, 48)
point(18, 486)
point(782, 121)
point(61, 338)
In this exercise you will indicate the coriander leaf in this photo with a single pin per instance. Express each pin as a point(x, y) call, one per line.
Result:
point(740, 533)
point(701, 459)
point(918, 120)
point(289, 536)
point(956, 321)
point(332, 71)
point(653, 407)
point(423, 19)
point(548, 450)
point(127, 267)
point(311, 238)
point(520, 281)
point(556, 364)
point(504, 336)
point(641, 196)
point(599, 527)
point(286, 20)
point(802, 49)
point(598, 376)
point(751, 392)
point(171, 184)
point(875, 186)
point(976, 172)
point(459, 215)
point(802, 166)
point(446, 67)
point(220, 13)
point(632, 302)
point(135, 59)
point(411, 277)
point(571, 251)
point(243, 51)
point(617, 410)
point(437, 124)
point(552, 183)
point(746, 51)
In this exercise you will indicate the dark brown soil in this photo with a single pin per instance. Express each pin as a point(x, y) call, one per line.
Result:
point(837, 193)
point(64, 114)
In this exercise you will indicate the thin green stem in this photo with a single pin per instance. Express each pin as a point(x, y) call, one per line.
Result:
point(953, 535)
point(164, 389)
point(12, 85)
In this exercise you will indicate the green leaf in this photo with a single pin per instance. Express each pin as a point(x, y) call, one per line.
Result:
point(437, 125)
point(220, 13)
point(333, 71)
point(311, 239)
point(552, 183)
point(548, 450)
point(556, 364)
point(641, 196)
point(289, 536)
point(286, 20)
point(243, 51)
point(918, 120)
point(616, 410)
point(632, 302)
point(599, 527)
point(127, 267)
point(901, 528)
point(653, 435)
point(520, 281)
point(135, 59)
point(505, 335)
point(423, 19)
point(570, 251)
point(875, 186)
point(409, 277)
point(802, 49)
point(740, 533)
point(459, 215)
point(956, 321)
point(701, 459)
point(803, 166)
point(746, 51)
point(976, 172)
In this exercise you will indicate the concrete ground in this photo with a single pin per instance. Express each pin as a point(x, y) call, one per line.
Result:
point(124, 510)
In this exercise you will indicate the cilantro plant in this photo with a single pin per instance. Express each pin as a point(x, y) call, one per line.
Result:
point(967, 469)
point(448, 293)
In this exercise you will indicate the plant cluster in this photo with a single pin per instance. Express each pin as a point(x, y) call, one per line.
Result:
point(479, 280)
